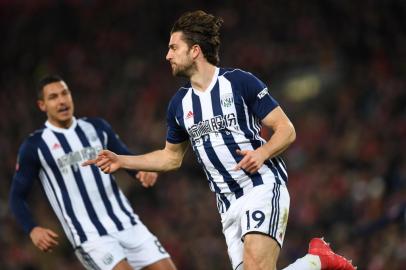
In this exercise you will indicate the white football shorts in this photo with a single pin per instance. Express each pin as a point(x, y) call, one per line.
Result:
point(264, 209)
point(136, 244)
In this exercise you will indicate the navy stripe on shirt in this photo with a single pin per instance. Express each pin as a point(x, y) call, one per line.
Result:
point(197, 110)
point(59, 205)
point(120, 202)
point(228, 138)
point(65, 195)
point(211, 154)
point(82, 188)
point(96, 173)
point(116, 190)
point(280, 171)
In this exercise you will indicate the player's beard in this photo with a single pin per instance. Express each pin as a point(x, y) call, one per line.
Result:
point(185, 71)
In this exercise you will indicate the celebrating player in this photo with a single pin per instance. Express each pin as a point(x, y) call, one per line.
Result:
point(94, 213)
point(220, 113)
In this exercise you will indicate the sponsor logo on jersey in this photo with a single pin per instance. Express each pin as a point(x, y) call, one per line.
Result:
point(56, 146)
point(213, 124)
point(262, 93)
point(76, 157)
point(189, 115)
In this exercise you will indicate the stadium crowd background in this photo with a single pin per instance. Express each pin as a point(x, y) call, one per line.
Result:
point(337, 67)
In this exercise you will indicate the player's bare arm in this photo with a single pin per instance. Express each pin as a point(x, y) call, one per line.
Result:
point(167, 159)
point(43, 238)
point(284, 134)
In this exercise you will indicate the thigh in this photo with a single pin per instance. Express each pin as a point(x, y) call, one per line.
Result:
point(264, 210)
point(123, 265)
point(260, 252)
point(103, 253)
point(164, 264)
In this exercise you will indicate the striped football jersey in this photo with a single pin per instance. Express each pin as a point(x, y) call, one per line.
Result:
point(87, 202)
point(224, 118)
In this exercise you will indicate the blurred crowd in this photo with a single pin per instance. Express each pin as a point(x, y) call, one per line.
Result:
point(338, 69)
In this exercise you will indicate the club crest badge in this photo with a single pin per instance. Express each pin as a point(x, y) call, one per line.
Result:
point(108, 259)
point(227, 100)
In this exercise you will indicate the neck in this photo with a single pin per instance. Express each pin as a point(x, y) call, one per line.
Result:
point(201, 79)
point(61, 124)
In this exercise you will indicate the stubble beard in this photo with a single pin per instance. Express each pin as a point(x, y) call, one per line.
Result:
point(184, 71)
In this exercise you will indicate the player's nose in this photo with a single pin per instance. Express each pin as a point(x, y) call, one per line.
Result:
point(62, 101)
point(168, 56)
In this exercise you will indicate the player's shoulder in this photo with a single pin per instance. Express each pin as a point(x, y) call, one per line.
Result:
point(235, 73)
point(242, 79)
point(180, 94)
point(97, 122)
point(35, 136)
point(32, 140)
point(183, 89)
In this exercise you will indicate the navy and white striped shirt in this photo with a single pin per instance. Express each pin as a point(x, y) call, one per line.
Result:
point(87, 202)
point(224, 118)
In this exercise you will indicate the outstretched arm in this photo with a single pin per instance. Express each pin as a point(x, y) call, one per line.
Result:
point(167, 159)
point(116, 145)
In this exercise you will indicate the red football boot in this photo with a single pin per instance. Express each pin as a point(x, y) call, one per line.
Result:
point(329, 260)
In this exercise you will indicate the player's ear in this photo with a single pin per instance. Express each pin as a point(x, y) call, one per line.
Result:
point(41, 105)
point(196, 51)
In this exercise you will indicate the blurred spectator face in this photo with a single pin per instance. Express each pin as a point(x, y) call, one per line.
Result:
point(180, 56)
point(57, 103)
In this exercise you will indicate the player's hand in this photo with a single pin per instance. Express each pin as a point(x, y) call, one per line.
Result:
point(252, 160)
point(106, 160)
point(44, 239)
point(147, 179)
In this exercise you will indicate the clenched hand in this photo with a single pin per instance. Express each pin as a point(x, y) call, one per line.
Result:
point(147, 179)
point(252, 160)
point(44, 239)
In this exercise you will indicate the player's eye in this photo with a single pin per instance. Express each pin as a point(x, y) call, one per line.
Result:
point(50, 97)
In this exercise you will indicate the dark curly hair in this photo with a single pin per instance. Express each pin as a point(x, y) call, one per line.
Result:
point(48, 79)
point(202, 29)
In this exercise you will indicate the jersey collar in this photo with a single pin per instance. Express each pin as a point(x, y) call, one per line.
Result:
point(62, 130)
point(211, 85)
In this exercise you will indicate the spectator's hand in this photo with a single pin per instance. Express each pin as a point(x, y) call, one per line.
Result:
point(106, 160)
point(44, 239)
point(252, 160)
point(147, 179)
